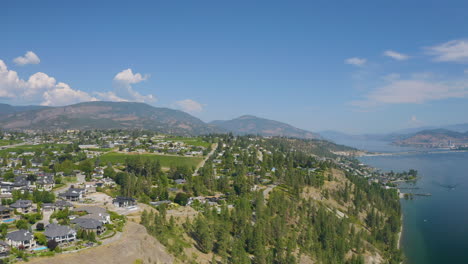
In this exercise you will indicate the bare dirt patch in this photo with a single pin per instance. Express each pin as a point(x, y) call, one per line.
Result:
point(134, 244)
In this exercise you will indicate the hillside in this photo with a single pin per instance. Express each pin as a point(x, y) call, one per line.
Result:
point(6, 109)
point(434, 138)
point(107, 115)
point(248, 124)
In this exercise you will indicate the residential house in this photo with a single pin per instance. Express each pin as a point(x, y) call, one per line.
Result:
point(180, 181)
point(5, 212)
point(48, 207)
point(60, 233)
point(21, 238)
point(22, 206)
point(73, 194)
point(94, 212)
point(5, 189)
point(45, 182)
point(89, 224)
point(4, 249)
point(21, 183)
point(61, 205)
point(120, 201)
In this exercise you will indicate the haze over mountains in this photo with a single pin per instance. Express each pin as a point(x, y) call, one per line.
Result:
point(249, 124)
point(427, 137)
point(131, 115)
point(128, 115)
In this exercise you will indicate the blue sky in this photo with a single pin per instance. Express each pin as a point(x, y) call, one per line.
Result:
point(352, 66)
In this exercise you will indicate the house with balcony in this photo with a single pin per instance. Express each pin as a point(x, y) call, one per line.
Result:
point(21, 239)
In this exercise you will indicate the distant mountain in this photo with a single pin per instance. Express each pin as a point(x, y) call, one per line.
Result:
point(107, 115)
point(434, 138)
point(248, 124)
point(340, 137)
point(6, 109)
point(395, 136)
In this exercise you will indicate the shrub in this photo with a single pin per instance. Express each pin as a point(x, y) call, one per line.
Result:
point(21, 224)
point(52, 244)
point(181, 198)
point(40, 226)
point(40, 238)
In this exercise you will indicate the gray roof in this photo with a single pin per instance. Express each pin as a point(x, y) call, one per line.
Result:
point(73, 192)
point(20, 181)
point(91, 209)
point(21, 204)
point(62, 203)
point(4, 208)
point(20, 235)
point(45, 179)
point(120, 199)
point(87, 223)
point(55, 230)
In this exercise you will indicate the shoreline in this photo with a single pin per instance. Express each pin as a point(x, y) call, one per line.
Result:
point(400, 234)
point(377, 154)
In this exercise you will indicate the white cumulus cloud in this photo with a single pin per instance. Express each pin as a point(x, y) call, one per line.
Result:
point(413, 91)
point(395, 55)
point(356, 61)
point(28, 58)
point(39, 88)
point(189, 105)
point(123, 87)
point(451, 51)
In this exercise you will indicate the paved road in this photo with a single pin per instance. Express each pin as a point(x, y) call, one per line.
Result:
point(213, 149)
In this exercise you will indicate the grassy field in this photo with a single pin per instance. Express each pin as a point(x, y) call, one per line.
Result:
point(191, 141)
point(4, 142)
point(25, 148)
point(166, 161)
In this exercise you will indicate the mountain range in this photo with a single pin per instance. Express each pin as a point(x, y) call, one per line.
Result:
point(248, 124)
point(442, 136)
point(131, 115)
point(434, 138)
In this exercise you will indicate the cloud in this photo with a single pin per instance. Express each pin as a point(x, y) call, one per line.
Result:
point(127, 77)
point(110, 96)
point(356, 61)
point(39, 88)
point(28, 58)
point(62, 94)
point(466, 71)
point(395, 55)
point(415, 122)
point(413, 91)
point(189, 105)
point(123, 87)
point(451, 51)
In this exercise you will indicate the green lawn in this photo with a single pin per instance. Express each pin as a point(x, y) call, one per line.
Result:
point(4, 142)
point(166, 161)
point(26, 148)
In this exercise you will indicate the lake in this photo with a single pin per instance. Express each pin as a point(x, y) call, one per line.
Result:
point(435, 228)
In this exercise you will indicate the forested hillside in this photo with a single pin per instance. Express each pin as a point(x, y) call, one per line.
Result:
point(260, 200)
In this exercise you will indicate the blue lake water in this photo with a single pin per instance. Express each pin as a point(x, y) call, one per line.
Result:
point(435, 228)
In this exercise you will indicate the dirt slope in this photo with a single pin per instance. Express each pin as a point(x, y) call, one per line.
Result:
point(134, 244)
